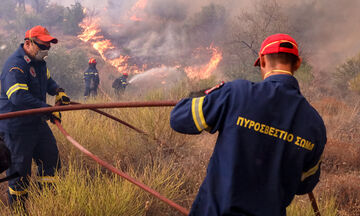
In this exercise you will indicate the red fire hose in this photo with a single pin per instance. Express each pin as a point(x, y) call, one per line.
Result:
point(94, 107)
point(314, 204)
point(118, 172)
point(88, 106)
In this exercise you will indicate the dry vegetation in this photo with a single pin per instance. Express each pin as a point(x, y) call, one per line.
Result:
point(176, 166)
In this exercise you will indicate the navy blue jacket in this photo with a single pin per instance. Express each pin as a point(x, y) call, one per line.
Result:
point(24, 84)
point(268, 148)
point(92, 73)
point(120, 83)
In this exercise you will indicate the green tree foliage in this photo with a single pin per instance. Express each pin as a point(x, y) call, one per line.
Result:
point(73, 16)
point(346, 75)
point(66, 68)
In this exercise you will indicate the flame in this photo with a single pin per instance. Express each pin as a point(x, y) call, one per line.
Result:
point(139, 5)
point(136, 9)
point(205, 71)
point(92, 33)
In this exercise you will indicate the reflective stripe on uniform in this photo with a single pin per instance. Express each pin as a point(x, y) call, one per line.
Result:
point(16, 87)
point(17, 193)
point(47, 73)
point(311, 171)
point(16, 68)
point(47, 179)
point(197, 113)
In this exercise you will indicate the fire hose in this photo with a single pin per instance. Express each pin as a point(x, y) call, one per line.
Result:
point(94, 107)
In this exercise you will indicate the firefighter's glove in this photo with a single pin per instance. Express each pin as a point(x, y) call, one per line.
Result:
point(55, 116)
point(61, 97)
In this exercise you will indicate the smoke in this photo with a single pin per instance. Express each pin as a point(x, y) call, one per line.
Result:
point(330, 29)
point(167, 32)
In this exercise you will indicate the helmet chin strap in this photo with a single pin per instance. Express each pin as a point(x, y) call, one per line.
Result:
point(278, 71)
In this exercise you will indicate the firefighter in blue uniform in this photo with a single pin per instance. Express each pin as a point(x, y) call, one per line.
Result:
point(25, 80)
point(270, 138)
point(119, 84)
point(91, 77)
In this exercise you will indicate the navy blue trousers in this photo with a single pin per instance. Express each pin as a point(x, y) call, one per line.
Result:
point(90, 87)
point(42, 148)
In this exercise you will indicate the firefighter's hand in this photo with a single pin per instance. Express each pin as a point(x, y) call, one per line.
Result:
point(55, 116)
point(61, 97)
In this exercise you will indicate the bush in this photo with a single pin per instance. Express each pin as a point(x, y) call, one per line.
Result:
point(354, 84)
point(66, 68)
point(304, 73)
point(345, 75)
point(25, 21)
point(53, 15)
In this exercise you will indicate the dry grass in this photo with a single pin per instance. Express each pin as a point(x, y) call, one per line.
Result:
point(175, 164)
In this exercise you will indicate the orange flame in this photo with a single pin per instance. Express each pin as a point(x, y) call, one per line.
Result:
point(92, 33)
point(205, 71)
point(140, 5)
point(137, 8)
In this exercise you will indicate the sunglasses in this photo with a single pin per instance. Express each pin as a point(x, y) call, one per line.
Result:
point(41, 46)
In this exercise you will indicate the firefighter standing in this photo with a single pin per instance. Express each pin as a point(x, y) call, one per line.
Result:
point(25, 80)
point(120, 84)
point(92, 80)
point(270, 138)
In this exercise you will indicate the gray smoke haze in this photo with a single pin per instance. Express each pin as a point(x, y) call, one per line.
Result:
point(170, 30)
point(329, 28)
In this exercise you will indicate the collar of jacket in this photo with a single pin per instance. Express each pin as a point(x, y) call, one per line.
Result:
point(287, 79)
point(21, 53)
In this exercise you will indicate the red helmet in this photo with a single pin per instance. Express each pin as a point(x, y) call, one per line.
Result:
point(125, 74)
point(92, 61)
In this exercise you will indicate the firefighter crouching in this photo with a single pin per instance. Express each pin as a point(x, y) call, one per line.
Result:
point(92, 80)
point(25, 80)
point(120, 84)
point(270, 138)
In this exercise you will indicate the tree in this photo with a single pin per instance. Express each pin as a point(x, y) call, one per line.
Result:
point(73, 16)
point(39, 5)
point(53, 15)
point(250, 29)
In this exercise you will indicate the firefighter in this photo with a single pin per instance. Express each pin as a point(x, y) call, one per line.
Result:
point(92, 80)
point(270, 139)
point(120, 84)
point(25, 80)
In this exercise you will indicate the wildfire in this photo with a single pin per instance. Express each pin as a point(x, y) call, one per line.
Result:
point(92, 33)
point(137, 8)
point(140, 5)
point(205, 71)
